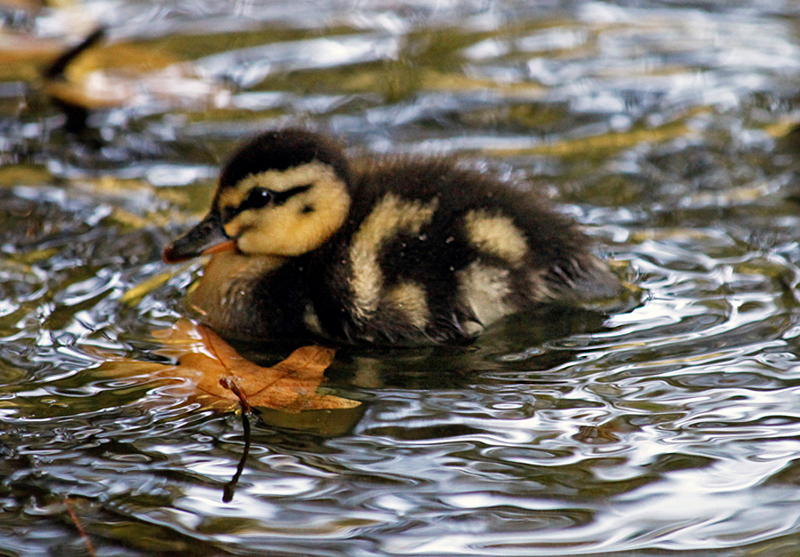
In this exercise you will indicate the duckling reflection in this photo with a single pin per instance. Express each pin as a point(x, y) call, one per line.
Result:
point(383, 250)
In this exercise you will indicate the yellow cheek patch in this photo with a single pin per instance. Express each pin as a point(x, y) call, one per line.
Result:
point(290, 229)
point(240, 223)
point(390, 217)
point(496, 235)
point(300, 224)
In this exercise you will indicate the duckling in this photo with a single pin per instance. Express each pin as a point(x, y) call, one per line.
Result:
point(399, 250)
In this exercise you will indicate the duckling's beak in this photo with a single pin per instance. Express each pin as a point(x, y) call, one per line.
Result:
point(207, 237)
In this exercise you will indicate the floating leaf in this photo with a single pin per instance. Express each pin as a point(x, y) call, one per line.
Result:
point(216, 372)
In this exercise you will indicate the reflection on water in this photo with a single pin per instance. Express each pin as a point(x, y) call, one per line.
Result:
point(671, 425)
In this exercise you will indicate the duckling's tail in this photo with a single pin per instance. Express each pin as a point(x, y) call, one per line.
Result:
point(588, 283)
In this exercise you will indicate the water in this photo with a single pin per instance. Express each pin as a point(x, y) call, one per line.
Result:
point(670, 426)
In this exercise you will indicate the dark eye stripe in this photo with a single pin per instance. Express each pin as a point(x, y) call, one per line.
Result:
point(281, 197)
point(261, 197)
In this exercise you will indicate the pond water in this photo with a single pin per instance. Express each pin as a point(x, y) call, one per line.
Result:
point(664, 127)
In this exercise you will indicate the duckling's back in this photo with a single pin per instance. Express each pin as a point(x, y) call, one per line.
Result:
point(432, 251)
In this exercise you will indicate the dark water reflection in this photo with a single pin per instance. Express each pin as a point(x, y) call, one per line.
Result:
point(670, 426)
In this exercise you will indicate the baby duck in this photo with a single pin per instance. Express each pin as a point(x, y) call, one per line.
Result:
point(382, 250)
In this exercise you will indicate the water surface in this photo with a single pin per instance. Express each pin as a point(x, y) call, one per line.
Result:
point(663, 127)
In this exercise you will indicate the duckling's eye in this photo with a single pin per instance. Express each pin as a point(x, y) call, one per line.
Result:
point(257, 199)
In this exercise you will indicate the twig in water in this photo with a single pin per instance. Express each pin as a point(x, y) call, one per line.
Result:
point(230, 487)
point(76, 521)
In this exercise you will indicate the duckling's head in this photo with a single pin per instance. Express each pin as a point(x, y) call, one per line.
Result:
point(284, 193)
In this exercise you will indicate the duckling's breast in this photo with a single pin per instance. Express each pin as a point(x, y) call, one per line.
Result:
point(248, 297)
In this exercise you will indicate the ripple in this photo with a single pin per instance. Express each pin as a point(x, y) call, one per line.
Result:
point(669, 425)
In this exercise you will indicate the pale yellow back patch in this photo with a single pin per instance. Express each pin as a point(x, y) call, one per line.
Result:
point(390, 217)
point(296, 227)
point(496, 235)
point(410, 299)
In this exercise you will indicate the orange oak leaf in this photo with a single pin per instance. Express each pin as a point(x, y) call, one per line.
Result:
point(220, 377)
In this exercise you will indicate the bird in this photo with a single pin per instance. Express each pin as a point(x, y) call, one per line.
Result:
point(378, 249)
